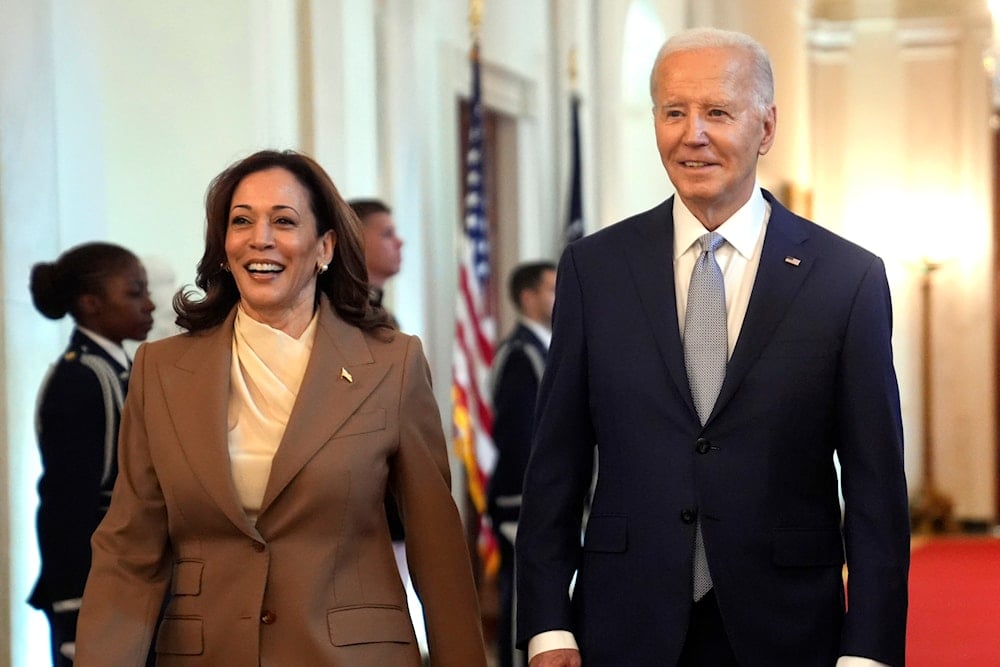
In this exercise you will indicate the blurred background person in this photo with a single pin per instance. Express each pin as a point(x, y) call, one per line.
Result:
point(257, 450)
point(517, 374)
point(383, 247)
point(383, 259)
point(103, 288)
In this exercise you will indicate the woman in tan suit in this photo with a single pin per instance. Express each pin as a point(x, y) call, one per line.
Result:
point(256, 451)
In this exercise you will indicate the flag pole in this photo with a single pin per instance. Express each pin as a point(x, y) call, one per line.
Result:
point(574, 218)
point(472, 410)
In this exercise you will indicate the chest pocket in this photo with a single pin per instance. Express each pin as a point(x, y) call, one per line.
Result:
point(362, 422)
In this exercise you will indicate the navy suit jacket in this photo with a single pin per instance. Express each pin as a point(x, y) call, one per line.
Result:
point(811, 375)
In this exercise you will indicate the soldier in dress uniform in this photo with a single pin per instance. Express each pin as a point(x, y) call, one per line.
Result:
point(103, 288)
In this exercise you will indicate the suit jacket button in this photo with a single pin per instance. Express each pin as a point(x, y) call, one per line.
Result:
point(688, 516)
point(268, 617)
point(703, 446)
point(258, 547)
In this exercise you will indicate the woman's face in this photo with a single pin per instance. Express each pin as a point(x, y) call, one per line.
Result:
point(124, 310)
point(273, 249)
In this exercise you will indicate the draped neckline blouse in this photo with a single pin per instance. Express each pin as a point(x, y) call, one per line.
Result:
point(267, 370)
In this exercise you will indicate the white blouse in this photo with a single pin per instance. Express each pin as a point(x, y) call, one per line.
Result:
point(267, 370)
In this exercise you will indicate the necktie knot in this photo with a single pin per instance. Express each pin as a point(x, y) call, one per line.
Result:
point(711, 242)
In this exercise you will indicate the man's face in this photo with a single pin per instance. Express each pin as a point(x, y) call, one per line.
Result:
point(710, 129)
point(383, 248)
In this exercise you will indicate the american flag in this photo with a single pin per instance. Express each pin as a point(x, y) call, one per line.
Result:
point(472, 415)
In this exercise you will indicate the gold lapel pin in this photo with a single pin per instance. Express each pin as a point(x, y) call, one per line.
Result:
point(794, 261)
point(345, 375)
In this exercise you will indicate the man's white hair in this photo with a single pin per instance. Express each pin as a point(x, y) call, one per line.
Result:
point(709, 38)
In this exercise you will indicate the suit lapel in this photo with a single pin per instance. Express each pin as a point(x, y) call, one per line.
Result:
point(326, 399)
point(196, 391)
point(785, 261)
point(650, 258)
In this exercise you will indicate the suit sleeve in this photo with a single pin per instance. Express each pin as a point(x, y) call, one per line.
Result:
point(435, 541)
point(131, 561)
point(876, 518)
point(72, 417)
point(559, 470)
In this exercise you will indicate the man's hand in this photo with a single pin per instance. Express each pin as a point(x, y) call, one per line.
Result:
point(562, 657)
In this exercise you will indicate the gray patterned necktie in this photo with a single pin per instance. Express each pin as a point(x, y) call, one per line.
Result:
point(706, 350)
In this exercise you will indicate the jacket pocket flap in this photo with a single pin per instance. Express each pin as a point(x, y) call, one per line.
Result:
point(187, 577)
point(180, 636)
point(606, 532)
point(805, 547)
point(362, 422)
point(368, 624)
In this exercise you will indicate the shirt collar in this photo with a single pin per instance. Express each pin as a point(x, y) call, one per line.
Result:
point(741, 230)
point(115, 351)
point(542, 332)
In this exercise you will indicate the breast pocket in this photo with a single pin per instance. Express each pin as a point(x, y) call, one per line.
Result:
point(362, 422)
point(799, 348)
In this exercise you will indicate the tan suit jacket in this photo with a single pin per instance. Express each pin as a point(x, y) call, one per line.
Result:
point(314, 582)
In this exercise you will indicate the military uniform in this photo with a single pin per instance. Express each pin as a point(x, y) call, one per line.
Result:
point(78, 414)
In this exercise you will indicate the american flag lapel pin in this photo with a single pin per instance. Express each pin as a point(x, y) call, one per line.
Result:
point(345, 375)
point(794, 261)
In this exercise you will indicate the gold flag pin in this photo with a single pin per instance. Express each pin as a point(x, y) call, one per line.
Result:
point(347, 376)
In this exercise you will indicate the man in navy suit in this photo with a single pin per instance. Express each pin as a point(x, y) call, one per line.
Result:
point(517, 373)
point(751, 485)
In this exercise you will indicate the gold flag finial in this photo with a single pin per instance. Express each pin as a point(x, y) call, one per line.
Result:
point(475, 18)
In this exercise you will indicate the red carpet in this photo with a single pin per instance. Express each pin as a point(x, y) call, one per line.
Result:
point(954, 614)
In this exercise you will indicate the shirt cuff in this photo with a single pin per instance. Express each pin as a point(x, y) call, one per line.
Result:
point(855, 661)
point(552, 640)
point(557, 639)
point(62, 606)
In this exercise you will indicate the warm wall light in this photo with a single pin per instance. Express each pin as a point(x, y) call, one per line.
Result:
point(990, 60)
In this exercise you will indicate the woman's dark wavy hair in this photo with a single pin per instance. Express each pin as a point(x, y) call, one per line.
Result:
point(346, 281)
